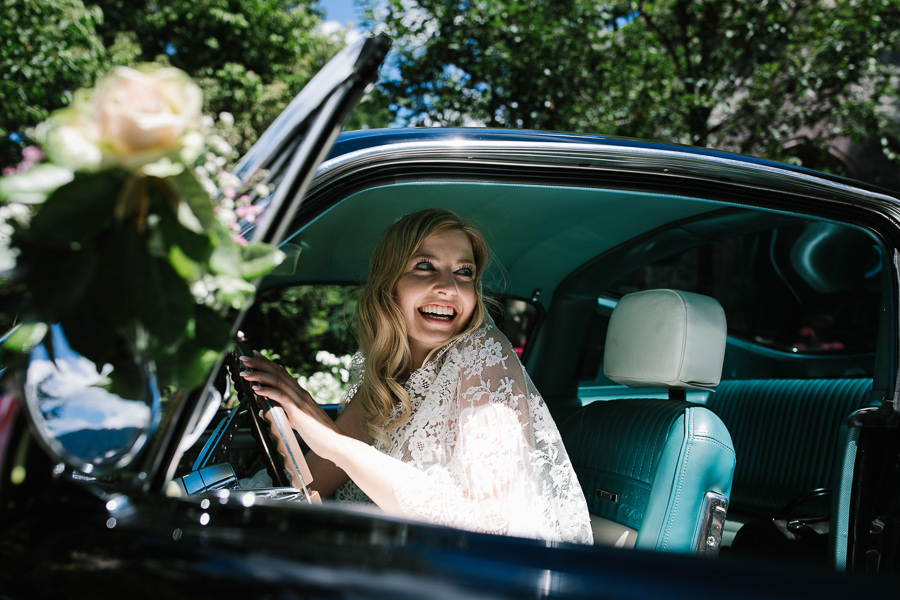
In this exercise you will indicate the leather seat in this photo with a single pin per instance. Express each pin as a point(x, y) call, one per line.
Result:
point(657, 472)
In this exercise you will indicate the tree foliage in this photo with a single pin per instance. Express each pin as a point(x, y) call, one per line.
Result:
point(47, 49)
point(297, 323)
point(504, 64)
point(782, 79)
point(250, 57)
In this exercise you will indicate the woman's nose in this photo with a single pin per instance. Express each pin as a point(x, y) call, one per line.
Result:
point(446, 283)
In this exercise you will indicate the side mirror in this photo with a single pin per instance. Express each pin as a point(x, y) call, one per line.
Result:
point(95, 418)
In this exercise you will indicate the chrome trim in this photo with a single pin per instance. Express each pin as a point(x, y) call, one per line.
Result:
point(286, 493)
point(711, 524)
point(592, 154)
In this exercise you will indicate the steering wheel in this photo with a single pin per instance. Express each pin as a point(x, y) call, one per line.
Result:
point(284, 459)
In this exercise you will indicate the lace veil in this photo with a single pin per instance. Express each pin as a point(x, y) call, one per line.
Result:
point(480, 450)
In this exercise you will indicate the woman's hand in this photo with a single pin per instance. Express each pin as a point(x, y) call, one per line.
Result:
point(372, 470)
point(313, 424)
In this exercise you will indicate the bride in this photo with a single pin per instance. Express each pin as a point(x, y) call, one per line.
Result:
point(444, 424)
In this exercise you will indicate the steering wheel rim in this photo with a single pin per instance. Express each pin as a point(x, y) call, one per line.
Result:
point(274, 436)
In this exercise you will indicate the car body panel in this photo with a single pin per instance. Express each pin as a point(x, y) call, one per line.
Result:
point(206, 548)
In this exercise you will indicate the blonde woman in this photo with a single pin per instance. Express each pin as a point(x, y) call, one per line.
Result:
point(444, 425)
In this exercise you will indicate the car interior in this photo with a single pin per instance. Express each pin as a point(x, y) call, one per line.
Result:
point(723, 430)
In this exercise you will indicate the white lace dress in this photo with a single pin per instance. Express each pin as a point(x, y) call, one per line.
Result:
point(480, 450)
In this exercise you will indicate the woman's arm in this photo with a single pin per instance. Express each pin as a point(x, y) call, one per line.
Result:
point(328, 477)
point(504, 470)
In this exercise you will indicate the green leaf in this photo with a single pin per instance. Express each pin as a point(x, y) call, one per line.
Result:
point(247, 262)
point(194, 246)
point(226, 256)
point(212, 330)
point(129, 377)
point(78, 210)
point(90, 334)
point(233, 291)
point(258, 259)
point(33, 186)
point(120, 284)
point(288, 266)
point(57, 277)
point(169, 309)
point(25, 336)
point(188, 368)
point(195, 210)
point(188, 269)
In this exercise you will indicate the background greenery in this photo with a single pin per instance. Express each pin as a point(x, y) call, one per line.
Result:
point(295, 324)
point(810, 82)
point(250, 57)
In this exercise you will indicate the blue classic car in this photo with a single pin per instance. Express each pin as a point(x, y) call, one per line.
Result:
point(716, 337)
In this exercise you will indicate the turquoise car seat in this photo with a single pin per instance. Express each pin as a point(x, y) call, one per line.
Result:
point(657, 472)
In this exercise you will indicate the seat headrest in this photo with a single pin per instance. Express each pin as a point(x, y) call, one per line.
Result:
point(666, 338)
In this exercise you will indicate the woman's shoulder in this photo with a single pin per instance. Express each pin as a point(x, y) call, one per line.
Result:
point(487, 334)
point(486, 343)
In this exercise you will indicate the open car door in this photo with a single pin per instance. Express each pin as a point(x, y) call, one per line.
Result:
point(284, 158)
point(292, 147)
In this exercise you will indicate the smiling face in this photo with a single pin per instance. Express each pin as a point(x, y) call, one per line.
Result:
point(436, 293)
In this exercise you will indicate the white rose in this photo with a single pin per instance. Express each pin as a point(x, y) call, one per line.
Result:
point(132, 118)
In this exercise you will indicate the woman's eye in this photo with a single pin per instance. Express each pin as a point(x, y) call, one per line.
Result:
point(424, 266)
point(466, 272)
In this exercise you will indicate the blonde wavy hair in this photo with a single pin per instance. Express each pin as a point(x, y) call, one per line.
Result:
point(381, 327)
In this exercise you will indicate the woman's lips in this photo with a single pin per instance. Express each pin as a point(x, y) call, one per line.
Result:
point(438, 312)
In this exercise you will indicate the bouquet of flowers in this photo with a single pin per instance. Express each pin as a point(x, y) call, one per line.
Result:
point(115, 236)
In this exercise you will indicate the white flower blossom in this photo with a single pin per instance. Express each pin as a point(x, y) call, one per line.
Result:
point(328, 385)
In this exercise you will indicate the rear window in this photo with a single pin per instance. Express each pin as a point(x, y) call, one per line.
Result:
point(811, 288)
point(801, 301)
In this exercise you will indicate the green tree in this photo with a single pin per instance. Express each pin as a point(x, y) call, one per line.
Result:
point(250, 57)
point(776, 78)
point(296, 323)
point(521, 64)
point(47, 50)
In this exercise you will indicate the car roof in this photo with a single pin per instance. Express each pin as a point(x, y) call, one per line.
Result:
point(548, 203)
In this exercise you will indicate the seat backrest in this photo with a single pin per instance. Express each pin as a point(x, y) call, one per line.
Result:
point(787, 433)
point(657, 473)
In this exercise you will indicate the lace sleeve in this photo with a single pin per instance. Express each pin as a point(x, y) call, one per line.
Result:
point(483, 453)
point(357, 370)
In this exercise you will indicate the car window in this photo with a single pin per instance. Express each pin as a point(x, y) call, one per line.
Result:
point(806, 294)
point(309, 329)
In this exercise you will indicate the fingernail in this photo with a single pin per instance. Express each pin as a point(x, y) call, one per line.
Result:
point(243, 358)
